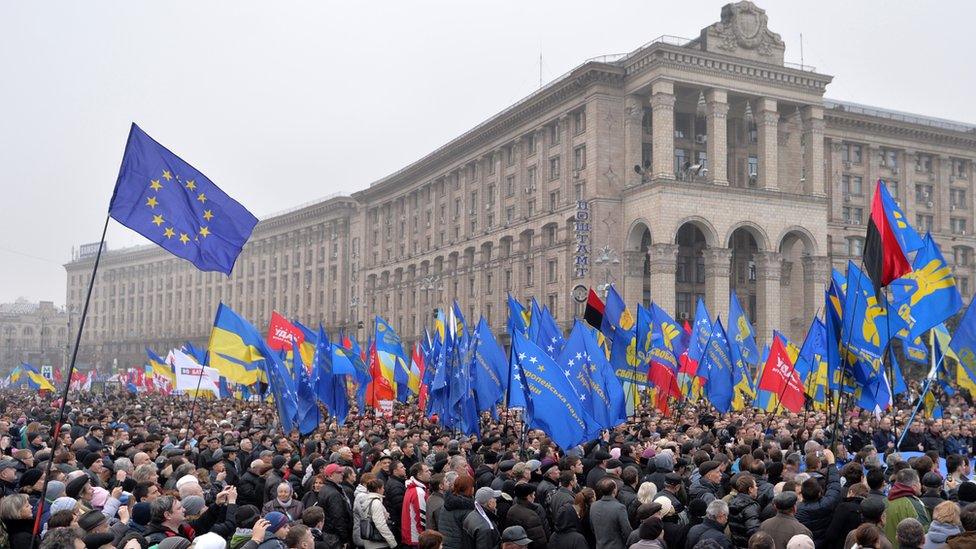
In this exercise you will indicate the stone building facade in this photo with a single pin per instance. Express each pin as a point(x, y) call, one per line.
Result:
point(684, 169)
point(36, 333)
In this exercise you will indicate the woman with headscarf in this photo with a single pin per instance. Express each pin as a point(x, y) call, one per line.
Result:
point(285, 503)
point(18, 520)
point(31, 484)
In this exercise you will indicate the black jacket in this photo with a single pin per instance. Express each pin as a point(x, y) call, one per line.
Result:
point(709, 529)
point(450, 522)
point(483, 476)
point(528, 516)
point(20, 532)
point(250, 490)
point(847, 517)
point(396, 489)
point(816, 515)
point(221, 519)
point(567, 527)
point(338, 513)
point(231, 478)
point(743, 519)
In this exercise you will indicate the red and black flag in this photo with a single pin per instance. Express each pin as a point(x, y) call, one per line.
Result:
point(884, 258)
point(593, 314)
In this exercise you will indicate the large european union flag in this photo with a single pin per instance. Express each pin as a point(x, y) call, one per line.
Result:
point(168, 201)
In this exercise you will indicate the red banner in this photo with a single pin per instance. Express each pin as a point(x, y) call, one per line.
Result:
point(281, 332)
point(780, 378)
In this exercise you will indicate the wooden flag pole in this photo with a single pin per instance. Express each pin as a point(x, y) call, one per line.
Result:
point(67, 384)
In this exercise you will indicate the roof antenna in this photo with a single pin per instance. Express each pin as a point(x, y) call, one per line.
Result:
point(802, 67)
point(540, 67)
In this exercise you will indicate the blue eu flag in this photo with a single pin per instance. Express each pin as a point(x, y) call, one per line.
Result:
point(168, 201)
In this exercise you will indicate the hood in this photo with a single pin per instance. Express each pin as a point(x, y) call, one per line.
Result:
point(454, 502)
point(664, 463)
point(939, 531)
point(899, 490)
point(567, 520)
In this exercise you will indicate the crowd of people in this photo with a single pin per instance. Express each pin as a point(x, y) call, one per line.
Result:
point(133, 472)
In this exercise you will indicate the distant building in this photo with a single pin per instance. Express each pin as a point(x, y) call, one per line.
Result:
point(32, 332)
point(701, 166)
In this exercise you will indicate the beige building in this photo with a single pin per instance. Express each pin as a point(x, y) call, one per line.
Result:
point(684, 169)
point(36, 333)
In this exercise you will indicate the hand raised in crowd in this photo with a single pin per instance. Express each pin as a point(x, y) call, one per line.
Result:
point(260, 527)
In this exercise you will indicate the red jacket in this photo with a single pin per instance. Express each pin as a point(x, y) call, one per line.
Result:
point(413, 518)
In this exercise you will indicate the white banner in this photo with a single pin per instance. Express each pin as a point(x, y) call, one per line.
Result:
point(188, 375)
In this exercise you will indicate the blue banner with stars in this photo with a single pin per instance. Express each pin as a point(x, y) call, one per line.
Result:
point(168, 201)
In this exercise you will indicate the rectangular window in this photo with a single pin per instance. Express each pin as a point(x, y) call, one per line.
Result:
point(889, 159)
point(474, 202)
point(580, 191)
point(923, 163)
point(552, 270)
point(963, 282)
point(508, 280)
point(471, 287)
point(510, 155)
point(554, 167)
point(855, 246)
point(509, 214)
point(531, 207)
point(579, 122)
point(552, 300)
point(510, 185)
point(530, 144)
point(680, 158)
point(554, 134)
point(579, 157)
point(489, 287)
point(457, 208)
point(682, 305)
point(529, 275)
point(957, 198)
point(853, 216)
point(491, 164)
point(961, 256)
point(923, 222)
point(923, 194)
point(530, 177)
point(853, 185)
point(553, 200)
point(958, 225)
point(855, 153)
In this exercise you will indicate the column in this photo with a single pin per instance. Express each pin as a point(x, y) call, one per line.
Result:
point(633, 290)
point(718, 265)
point(940, 187)
point(768, 274)
point(663, 262)
point(816, 274)
point(662, 123)
point(767, 125)
point(633, 139)
point(813, 150)
point(717, 148)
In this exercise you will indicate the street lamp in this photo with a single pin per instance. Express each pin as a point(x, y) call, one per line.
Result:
point(607, 257)
point(430, 283)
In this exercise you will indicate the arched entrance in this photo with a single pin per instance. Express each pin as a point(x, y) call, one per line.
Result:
point(689, 277)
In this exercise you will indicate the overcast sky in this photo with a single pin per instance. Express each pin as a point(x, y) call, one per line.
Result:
point(285, 102)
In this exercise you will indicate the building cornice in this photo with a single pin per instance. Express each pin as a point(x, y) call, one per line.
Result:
point(529, 109)
point(886, 127)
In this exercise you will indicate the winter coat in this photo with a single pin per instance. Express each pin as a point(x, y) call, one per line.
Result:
point(435, 502)
point(709, 529)
point(938, 533)
point(782, 528)
point(528, 515)
point(965, 540)
point(931, 500)
point(847, 517)
point(649, 544)
point(557, 500)
point(816, 515)
point(370, 506)
point(20, 532)
point(704, 489)
point(743, 519)
point(250, 490)
point(483, 476)
point(338, 514)
point(413, 514)
point(450, 520)
point(902, 504)
point(567, 530)
point(479, 534)
point(628, 496)
point(663, 464)
point(396, 489)
point(608, 517)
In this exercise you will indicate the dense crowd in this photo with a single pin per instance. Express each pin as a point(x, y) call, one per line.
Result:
point(131, 471)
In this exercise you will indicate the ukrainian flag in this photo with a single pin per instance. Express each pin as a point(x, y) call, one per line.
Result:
point(235, 348)
point(25, 374)
point(307, 346)
point(161, 368)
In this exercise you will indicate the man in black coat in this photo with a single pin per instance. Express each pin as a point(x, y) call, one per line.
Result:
point(337, 529)
point(250, 489)
point(232, 475)
point(396, 489)
point(744, 511)
point(528, 515)
point(713, 527)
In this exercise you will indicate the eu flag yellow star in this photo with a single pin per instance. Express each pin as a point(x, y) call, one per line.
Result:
point(207, 214)
point(167, 176)
point(152, 202)
point(202, 198)
point(191, 185)
point(204, 232)
point(156, 185)
point(168, 233)
point(183, 238)
point(158, 220)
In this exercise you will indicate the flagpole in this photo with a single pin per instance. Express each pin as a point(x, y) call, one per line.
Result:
point(921, 400)
point(67, 385)
point(193, 408)
point(843, 351)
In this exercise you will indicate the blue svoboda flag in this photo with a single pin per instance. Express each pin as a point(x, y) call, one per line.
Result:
point(171, 203)
point(928, 294)
point(551, 402)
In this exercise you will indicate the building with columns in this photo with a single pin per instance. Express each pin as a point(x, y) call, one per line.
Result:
point(33, 332)
point(684, 169)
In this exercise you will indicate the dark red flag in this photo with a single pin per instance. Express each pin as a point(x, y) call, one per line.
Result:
point(884, 260)
point(593, 314)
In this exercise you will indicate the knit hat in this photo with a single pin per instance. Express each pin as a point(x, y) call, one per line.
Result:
point(707, 467)
point(800, 541)
point(95, 541)
point(872, 508)
point(63, 504)
point(99, 497)
point(523, 491)
point(278, 461)
point(247, 515)
point(667, 507)
point(175, 542)
point(186, 479)
point(967, 492)
point(76, 486)
point(193, 505)
point(931, 480)
point(30, 477)
point(91, 520)
point(277, 520)
point(141, 513)
point(651, 528)
point(55, 489)
point(209, 540)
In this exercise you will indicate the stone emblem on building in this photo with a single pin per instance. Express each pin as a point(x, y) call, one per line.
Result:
point(743, 32)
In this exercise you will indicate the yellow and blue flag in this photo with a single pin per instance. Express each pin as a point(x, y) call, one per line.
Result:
point(928, 294)
point(168, 201)
point(308, 415)
point(161, 368)
point(745, 353)
point(392, 359)
point(963, 347)
point(615, 314)
point(518, 317)
point(27, 375)
point(235, 348)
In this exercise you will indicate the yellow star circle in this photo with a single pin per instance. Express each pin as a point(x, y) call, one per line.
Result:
point(152, 202)
point(158, 220)
point(166, 175)
point(183, 238)
point(156, 185)
point(204, 232)
point(208, 214)
point(168, 233)
point(191, 185)
point(202, 198)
